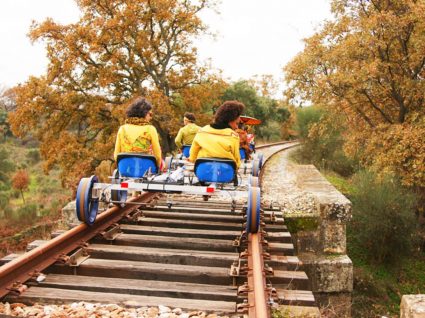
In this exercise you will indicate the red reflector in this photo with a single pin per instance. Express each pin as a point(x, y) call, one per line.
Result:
point(210, 190)
point(124, 184)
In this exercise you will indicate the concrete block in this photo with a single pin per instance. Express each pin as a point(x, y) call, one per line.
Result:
point(412, 306)
point(307, 241)
point(333, 237)
point(69, 215)
point(328, 273)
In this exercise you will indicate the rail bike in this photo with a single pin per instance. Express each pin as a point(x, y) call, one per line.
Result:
point(206, 177)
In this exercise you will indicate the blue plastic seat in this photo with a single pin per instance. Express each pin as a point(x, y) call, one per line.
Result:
point(135, 165)
point(242, 153)
point(215, 170)
point(186, 150)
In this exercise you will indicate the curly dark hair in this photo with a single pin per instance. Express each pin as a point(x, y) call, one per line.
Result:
point(190, 116)
point(140, 107)
point(228, 111)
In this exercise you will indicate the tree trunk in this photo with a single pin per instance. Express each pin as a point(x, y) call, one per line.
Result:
point(167, 142)
point(22, 194)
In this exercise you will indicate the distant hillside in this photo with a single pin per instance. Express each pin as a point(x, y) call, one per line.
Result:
point(41, 198)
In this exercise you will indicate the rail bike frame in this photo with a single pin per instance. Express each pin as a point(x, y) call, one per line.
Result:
point(90, 192)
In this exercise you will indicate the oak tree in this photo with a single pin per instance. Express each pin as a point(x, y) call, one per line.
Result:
point(368, 65)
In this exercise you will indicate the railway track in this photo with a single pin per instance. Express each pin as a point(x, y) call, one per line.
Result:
point(171, 250)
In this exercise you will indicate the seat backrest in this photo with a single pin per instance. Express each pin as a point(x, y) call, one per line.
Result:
point(186, 150)
point(215, 170)
point(135, 165)
point(242, 153)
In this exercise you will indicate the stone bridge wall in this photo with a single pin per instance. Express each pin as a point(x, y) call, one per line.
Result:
point(320, 241)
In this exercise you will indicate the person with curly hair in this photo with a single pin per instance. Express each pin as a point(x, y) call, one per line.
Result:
point(219, 140)
point(138, 134)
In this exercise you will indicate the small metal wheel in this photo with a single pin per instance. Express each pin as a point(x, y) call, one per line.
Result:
point(118, 197)
point(253, 210)
point(87, 207)
point(168, 162)
point(254, 181)
point(255, 169)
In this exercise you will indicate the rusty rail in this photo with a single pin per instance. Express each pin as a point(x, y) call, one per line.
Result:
point(277, 143)
point(257, 288)
point(28, 266)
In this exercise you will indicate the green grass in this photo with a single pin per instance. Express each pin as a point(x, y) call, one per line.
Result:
point(342, 184)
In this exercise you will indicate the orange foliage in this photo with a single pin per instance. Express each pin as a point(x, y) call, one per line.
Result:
point(368, 65)
point(21, 181)
point(118, 50)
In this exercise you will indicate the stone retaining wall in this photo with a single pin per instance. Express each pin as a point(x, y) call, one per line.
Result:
point(320, 241)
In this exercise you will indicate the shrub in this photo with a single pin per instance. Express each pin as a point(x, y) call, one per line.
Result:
point(4, 199)
point(323, 141)
point(27, 214)
point(8, 212)
point(383, 217)
point(33, 156)
point(306, 117)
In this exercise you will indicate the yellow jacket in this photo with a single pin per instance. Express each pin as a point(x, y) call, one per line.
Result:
point(138, 138)
point(186, 135)
point(216, 143)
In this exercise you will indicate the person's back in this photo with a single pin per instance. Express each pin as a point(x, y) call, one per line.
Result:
point(216, 143)
point(187, 133)
point(219, 140)
point(137, 134)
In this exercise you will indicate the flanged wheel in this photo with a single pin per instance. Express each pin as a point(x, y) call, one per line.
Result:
point(253, 210)
point(118, 196)
point(254, 181)
point(255, 169)
point(87, 207)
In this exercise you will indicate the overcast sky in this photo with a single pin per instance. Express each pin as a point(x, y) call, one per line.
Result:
point(254, 36)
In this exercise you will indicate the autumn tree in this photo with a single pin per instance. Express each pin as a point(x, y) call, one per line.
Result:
point(119, 49)
point(21, 181)
point(367, 64)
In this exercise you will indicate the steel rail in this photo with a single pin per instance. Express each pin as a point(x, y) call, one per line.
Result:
point(277, 143)
point(257, 294)
point(29, 265)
